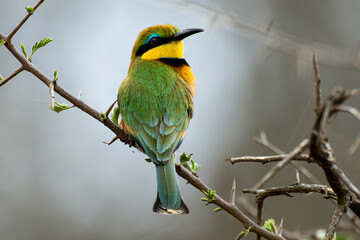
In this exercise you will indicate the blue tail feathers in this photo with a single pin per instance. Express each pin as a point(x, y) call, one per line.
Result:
point(168, 200)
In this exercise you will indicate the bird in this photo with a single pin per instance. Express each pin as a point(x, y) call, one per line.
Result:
point(156, 104)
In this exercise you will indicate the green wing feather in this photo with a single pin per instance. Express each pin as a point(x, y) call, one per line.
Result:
point(154, 101)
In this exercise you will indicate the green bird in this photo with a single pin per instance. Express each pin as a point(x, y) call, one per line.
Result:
point(156, 105)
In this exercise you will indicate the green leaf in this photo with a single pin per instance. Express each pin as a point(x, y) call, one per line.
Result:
point(184, 158)
point(60, 107)
point(23, 50)
point(218, 209)
point(1, 78)
point(115, 115)
point(29, 9)
point(184, 161)
point(55, 75)
point(148, 160)
point(40, 44)
point(270, 225)
point(2, 41)
point(210, 195)
point(102, 116)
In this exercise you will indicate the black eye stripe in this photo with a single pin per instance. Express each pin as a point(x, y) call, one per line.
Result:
point(151, 44)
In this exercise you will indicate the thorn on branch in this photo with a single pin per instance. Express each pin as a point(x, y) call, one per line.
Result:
point(317, 85)
point(232, 194)
point(109, 109)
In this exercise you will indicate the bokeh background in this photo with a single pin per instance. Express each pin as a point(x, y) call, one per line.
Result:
point(253, 65)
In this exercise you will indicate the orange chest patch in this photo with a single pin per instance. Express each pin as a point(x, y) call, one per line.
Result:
point(187, 74)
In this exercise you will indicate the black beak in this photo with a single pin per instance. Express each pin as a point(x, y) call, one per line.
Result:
point(185, 33)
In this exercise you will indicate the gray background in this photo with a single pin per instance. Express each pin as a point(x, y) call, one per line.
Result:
point(59, 181)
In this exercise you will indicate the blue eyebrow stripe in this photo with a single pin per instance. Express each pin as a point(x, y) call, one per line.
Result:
point(151, 36)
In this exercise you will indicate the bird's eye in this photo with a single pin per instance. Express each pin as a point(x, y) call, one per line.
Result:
point(154, 40)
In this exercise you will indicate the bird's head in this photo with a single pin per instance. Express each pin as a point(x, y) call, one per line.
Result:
point(161, 41)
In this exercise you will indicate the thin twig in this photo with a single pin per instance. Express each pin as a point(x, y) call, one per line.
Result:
point(269, 159)
point(317, 85)
point(295, 188)
point(340, 210)
point(260, 204)
point(262, 140)
point(356, 114)
point(301, 147)
point(16, 72)
point(10, 36)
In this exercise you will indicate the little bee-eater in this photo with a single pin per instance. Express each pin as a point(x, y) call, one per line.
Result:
point(156, 105)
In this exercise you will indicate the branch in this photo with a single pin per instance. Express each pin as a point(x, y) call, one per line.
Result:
point(30, 67)
point(10, 36)
point(340, 210)
point(230, 208)
point(301, 147)
point(16, 72)
point(269, 159)
point(321, 151)
point(356, 114)
point(295, 188)
point(262, 140)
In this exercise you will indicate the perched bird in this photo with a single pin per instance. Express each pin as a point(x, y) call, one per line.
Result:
point(156, 105)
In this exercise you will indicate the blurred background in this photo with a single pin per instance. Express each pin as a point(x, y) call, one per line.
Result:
point(253, 65)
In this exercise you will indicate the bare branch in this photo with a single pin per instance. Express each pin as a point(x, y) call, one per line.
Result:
point(356, 114)
point(264, 142)
point(16, 72)
point(321, 151)
point(260, 204)
point(340, 210)
point(295, 188)
point(301, 147)
point(317, 85)
point(269, 159)
point(9, 37)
